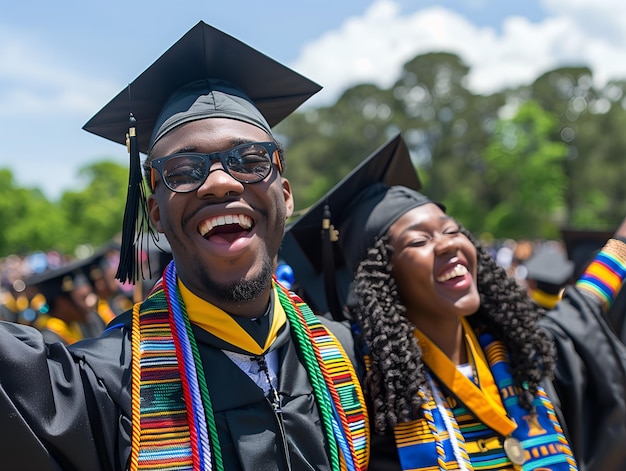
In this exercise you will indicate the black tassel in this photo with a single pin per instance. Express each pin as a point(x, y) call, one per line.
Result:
point(136, 223)
point(328, 262)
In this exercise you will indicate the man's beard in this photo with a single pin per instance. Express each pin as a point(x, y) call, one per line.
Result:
point(242, 290)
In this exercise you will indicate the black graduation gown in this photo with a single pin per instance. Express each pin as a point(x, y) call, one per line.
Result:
point(68, 408)
point(588, 391)
point(589, 388)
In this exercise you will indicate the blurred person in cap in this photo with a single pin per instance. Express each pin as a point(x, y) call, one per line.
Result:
point(220, 367)
point(548, 271)
point(64, 300)
point(100, 270)
point(464, 371)
point(9, 310)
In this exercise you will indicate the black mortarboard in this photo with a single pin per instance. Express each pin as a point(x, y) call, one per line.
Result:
point(304, 247)
point(582, 246)
point(59, 281)
point(202, 54)
point(550, 269)
point(206, 73)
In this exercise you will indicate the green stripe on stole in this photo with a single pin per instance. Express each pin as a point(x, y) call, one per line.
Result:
point(165, 431)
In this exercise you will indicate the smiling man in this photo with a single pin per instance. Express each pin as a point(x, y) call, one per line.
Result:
point(224, 233)
point(220, 367)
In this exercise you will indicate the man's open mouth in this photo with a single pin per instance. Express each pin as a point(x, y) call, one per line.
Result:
point(225, 225)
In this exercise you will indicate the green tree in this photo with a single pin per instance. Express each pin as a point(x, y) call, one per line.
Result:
point(29, 220)
point(95, 214)
point(447, 129)
point(597, 194)
point(591, 123)
point(90, 216)
point(525, 176)
point(458, 142)
point(325, 144)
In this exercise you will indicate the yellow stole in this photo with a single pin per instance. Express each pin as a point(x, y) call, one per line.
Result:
point(545, 300)
point(222, 325)
point(482, 396)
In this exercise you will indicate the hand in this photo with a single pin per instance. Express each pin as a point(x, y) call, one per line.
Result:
point(621, 230)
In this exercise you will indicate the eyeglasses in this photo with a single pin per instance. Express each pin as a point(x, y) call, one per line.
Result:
point(186, 171)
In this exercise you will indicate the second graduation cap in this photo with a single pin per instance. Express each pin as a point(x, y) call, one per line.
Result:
point(550, 268)
point(548, 272)
point(205, 74)
point(303, 245)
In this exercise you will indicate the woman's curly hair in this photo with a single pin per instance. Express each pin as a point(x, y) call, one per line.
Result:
point(395, 368)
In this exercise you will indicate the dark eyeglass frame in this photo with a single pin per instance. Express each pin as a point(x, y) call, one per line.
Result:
point(206, 160)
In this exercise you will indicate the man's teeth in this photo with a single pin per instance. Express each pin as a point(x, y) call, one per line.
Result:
point(206, 226)
point(458, 270)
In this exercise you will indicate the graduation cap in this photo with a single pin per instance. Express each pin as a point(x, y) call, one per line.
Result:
point(206, 73)
point(583, 245)
point(59, 281)
point(322, 272)
point(550, 269)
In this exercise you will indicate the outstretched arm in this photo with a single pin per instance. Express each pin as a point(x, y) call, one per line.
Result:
point(604, 276)
point(55, 414)
point(590, 378)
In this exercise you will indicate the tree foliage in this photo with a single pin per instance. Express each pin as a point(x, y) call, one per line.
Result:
point(95, 214)
point(521, 157)
point(521, 162)
point(91, 216)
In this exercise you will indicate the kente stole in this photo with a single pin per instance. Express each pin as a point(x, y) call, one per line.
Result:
point(460, 435)
point(173, 422)
point(605, 274)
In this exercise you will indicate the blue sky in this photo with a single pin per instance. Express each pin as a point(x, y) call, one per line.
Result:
point(60, 62)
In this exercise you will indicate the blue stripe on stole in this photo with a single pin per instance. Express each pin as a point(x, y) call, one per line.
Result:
point(612, 262)
point(425, 454)
point(537, 432)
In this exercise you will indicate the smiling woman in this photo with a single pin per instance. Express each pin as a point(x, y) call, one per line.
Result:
point(464, 371)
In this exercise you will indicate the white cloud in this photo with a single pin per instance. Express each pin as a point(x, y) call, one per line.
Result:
point(373, 47)
point(43, 88)
point(595, 18)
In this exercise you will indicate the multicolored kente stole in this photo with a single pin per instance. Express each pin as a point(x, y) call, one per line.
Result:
point(605, 274)
point(173, 422)
point(449, 437)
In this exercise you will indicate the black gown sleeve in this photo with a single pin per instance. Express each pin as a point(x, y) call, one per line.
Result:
point(55, 412)
point(589, 387)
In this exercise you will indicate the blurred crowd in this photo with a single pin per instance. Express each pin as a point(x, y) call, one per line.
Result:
point(545, 268)
point(71, 298)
